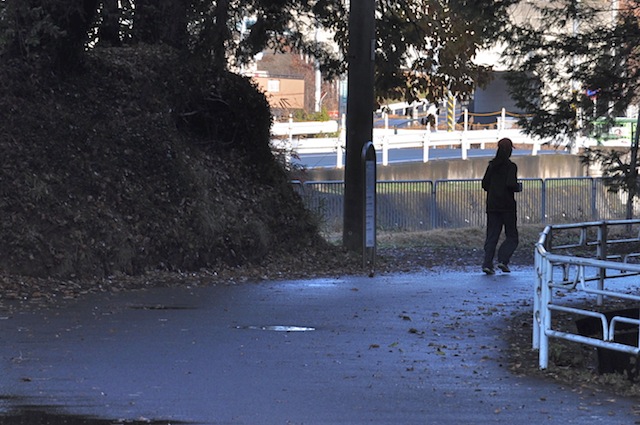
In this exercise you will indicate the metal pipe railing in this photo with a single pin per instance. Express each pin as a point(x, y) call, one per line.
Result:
point(585, 270)
point(415, 205)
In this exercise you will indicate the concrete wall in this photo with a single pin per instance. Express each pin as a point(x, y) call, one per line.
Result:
point(541, 166)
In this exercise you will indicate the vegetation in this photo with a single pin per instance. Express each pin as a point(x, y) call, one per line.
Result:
point(132, 166)
point(423, 50)
point(426, 49)
point(128, 147)
point(216, 32)
point(302, 115)
point(593, 48)
point(119, 145)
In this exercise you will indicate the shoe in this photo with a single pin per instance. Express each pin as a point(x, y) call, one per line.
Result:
point(503, 267)
point(488, 270)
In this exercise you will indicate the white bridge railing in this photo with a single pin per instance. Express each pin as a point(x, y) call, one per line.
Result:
point(601, 271)
point(385, 139)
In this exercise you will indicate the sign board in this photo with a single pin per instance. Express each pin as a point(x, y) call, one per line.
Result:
point(370, 203)
point(369, 206)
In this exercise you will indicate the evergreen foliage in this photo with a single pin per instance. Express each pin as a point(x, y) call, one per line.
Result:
point(427, 49)
point(573, 62)
point(576, 65)
point(424, 48)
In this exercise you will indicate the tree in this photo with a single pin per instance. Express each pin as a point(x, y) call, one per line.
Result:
point(209, 29)
point(55, 30)
point(160, 22)
point(109, 30)
point(620, 169)
point(423, 48)
point(427, 48)
point(574, 66)
point(574, 62)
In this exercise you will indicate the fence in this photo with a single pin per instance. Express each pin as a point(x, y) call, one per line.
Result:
point(386, 140)
point(414, 133)
point(417, 205)
point(608, 251)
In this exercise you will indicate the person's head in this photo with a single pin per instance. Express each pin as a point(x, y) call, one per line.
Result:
point(505, 147)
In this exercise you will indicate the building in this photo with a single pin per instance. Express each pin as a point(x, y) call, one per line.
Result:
point(284, 93)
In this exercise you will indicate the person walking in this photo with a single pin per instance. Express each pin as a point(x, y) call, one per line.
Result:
point(500, 181)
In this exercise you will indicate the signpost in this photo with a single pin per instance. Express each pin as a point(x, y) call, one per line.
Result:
point(369, 208)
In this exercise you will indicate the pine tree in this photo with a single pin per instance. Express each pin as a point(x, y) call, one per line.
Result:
point(575, 65)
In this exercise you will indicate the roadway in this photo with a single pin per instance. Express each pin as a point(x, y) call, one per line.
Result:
point(411, 348)
point(328, 160)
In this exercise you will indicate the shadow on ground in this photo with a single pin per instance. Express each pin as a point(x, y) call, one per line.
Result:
point(41, 416)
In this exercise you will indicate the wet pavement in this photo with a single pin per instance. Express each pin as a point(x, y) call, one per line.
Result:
point(420, 348)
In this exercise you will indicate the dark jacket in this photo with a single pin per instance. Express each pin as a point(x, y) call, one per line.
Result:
point(501, 182)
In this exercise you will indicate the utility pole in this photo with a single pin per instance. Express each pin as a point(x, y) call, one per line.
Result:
point(318, 80)
point(360, 106)
point(633, 171)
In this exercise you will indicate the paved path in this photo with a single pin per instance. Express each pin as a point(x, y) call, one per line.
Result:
point(403, 349)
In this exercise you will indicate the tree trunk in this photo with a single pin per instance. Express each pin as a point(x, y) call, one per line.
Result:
point(75, 20)
point(109, 31)
point(161, 22)
point(632, 178)
point(220, 34)
point(174, 23)
point(145, 22)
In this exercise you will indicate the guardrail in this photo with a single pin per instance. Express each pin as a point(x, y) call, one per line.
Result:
point(418, 205)
point(466, 135)
point(292, 128)
point(385, 139)
point(592, 259)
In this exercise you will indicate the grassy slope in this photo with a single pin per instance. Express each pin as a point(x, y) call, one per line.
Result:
point(139, 163)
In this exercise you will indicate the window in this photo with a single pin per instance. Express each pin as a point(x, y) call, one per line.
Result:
point(273, 86)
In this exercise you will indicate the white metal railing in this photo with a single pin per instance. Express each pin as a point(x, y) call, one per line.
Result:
point(599, 274)
point(385, 139)
point(292, 128)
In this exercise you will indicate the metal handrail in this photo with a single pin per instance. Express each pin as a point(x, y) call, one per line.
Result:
point(417, 205)
point(548, 284)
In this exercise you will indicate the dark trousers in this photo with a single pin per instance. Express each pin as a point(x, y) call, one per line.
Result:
point(496, 220)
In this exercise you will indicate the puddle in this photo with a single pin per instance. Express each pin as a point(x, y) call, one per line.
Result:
point(33, 416)
point(158, 307)
point(279, 328)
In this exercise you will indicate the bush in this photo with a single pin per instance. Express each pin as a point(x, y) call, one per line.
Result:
point(118, 170)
